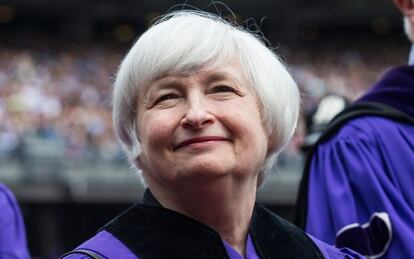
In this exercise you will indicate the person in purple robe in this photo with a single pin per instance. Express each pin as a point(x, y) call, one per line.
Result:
point(203, 108)
point(357, 188)
point(13, 244)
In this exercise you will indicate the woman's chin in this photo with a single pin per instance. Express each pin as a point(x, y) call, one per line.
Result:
point(210, 164)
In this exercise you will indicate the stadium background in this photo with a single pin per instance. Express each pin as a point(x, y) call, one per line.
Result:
point(57, 60)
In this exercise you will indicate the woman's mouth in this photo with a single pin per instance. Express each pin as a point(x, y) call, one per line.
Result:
point(199, 140)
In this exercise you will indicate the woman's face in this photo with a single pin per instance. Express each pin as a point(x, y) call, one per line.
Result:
point(201, 127)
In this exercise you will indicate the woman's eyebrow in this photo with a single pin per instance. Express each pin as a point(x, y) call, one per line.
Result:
point(220, 77)
point(163, 83)
point(167, 82)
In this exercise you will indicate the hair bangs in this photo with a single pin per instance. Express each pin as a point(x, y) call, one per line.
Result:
point(183, 48)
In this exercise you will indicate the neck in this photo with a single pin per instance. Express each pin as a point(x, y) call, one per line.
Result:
point(225, 205)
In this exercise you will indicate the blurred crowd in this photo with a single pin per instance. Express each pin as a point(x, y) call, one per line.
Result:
point(61, 93)
point(58, 94)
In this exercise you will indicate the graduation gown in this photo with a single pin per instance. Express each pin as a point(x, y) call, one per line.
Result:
point(150, 231)
point(358, 187)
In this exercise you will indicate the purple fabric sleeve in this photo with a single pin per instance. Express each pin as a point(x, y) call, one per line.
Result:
point(13, 242)
point(365, 175)
point(105, 244)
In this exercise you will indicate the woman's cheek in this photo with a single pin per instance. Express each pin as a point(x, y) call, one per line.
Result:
point(160, 128)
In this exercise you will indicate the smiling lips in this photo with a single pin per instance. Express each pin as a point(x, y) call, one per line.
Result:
point(199, 140)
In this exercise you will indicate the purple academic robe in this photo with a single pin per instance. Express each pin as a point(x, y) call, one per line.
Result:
point(361, 179)
point(12, 231)
point(108, 246)
point(118, 239)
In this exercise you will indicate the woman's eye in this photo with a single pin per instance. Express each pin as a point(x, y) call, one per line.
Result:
point(166, 97)
point(222, 88)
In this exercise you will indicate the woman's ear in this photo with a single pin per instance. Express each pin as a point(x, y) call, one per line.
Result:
point(406, 7)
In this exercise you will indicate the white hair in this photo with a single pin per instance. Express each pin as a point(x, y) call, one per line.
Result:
point(185, 41)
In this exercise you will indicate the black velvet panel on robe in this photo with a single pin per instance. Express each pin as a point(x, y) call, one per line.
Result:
point(153, 232)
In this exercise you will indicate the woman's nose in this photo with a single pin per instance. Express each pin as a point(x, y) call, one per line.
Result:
point(197, 115)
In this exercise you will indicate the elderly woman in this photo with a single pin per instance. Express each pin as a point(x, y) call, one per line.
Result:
point(203, 108)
